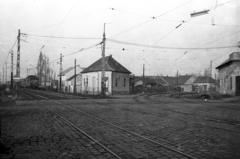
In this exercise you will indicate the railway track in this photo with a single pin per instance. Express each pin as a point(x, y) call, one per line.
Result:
point(126, 135)
point(163, 138)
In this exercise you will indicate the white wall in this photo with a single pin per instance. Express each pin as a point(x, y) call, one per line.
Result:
point(92, 83)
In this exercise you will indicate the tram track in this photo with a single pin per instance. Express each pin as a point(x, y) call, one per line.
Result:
point(61, 115)
point(164, 140)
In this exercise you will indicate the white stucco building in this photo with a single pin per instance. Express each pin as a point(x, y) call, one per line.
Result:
point(117, 77)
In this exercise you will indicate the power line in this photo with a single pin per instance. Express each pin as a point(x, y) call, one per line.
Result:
point(60, 24)
point(10, 51)
point(58, 37)
point(161, 47)
point(67, 21)
point(212, 42)
point(81, 50)
point(152, 18)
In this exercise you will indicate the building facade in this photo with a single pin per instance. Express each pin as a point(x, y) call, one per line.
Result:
point(116, 75)
point(229, 75)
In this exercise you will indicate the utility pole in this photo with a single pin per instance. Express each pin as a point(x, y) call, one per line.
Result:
point(17, 76)
point(11, 69)
point(3, 75)
point(143, 79)
point(60, 84)
point(177, 80)
point(18, 56)
point(45, 81)
point(6, 75)
point(103, 63)
point(210, 68)
point(74, 89)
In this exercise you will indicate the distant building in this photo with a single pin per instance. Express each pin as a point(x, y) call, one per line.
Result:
point(117, 77)
point(67, 77)
point(229, 75)
point(204, 84)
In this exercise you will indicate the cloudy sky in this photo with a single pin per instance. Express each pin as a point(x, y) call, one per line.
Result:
point(158, 33)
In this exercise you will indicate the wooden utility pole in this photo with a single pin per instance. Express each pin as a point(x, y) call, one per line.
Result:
point(143, 79)
point(103, 63)
point(210, 69)
point(74, 88)
point(177, 80)
point(60, 74)
point(11, 69)
point(3, 75)
point(6, 75)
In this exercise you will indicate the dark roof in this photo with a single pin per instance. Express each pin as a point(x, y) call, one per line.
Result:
point(111, 65)
point(235, 56)
point(183, 79)
point(204, 79)
point(170, 80)
point(174, 80)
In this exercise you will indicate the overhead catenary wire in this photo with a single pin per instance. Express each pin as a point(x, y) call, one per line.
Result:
point(60, 37)
point(212, 42)
point(10, 51)
point(152, 18)
point(162, 47)
point(59, 24)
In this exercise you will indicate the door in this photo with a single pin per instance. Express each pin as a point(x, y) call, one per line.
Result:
point(237, 85)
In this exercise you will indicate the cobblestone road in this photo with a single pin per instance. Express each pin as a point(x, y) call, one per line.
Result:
point(28, 131)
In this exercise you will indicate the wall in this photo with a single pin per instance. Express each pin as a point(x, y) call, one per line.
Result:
point(227, 76)
point(91, 82)
point(120, 88)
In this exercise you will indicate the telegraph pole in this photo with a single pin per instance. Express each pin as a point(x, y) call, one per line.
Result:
point(11, 69)
point(103, 63)
point(3, 75)
point(74, 89)
point(60, 87)
point(210, 68)
point(6, 75)
point(143, 79)
point(177, 80)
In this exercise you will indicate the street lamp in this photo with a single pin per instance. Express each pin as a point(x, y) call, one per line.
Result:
point(195, 14)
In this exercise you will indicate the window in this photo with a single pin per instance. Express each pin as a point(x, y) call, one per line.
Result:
point(124, 82)
point(116, 82)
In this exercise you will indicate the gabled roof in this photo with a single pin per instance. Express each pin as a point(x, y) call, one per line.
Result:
point(72, 77)
point(70, 69)
point(235, 56)
point(204, 79)
point(111, 65)
point(176, 80)
point(183, 79)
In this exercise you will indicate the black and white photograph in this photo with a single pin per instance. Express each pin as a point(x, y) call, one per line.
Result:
point(120, 79)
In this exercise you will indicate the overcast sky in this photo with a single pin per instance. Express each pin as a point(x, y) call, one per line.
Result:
point(145, 22)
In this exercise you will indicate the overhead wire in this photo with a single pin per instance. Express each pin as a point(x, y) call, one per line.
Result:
point(151, 19)
point(60, 24)
point(212, 42)
point(10, 51)
point(162, 47)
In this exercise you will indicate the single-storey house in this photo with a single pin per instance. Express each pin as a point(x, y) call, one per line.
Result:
point(116, 75)
point(204, 84)
point(229, 75)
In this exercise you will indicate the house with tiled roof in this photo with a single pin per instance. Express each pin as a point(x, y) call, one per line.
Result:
point(117, 77)
point(68, 79)
point(204, 83)
point(185, 82)
point(229, 75)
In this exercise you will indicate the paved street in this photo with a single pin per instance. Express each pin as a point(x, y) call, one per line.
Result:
point(187, 125)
